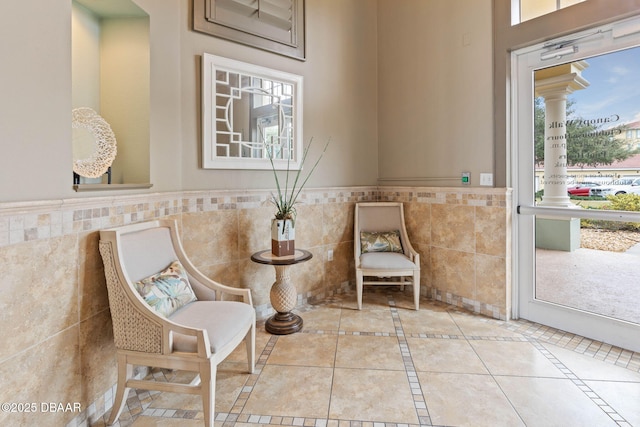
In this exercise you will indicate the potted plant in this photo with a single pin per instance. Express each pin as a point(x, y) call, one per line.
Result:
point(284, 222)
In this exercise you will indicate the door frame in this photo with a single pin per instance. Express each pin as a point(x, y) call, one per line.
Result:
point(597, 41)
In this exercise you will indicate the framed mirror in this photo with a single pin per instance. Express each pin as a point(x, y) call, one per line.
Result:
point(250, 113)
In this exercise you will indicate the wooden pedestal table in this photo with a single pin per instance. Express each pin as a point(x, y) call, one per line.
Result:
point(283, 293)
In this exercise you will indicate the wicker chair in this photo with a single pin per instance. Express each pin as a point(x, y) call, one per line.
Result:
point(385, 264)
point(196, 337)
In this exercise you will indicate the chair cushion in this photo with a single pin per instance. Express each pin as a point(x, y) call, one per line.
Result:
point(386, 261)
point(223, 321)
point(167, 290)
point(380, 241)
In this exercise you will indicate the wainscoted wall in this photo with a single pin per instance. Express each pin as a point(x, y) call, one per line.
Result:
point(464, 238)
point(57, 343)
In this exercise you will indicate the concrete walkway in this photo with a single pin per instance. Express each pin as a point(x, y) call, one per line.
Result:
point(634, 250)
point(606, 283)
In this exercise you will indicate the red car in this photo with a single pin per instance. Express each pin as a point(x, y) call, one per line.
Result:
point(581, 189)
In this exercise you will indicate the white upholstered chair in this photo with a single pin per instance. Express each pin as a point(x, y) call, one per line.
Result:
point(196, 337)
point(380, 259)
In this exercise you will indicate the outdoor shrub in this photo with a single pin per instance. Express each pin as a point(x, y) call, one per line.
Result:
point(621, 202)
point(624, 202)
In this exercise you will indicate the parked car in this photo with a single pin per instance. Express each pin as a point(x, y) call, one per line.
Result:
point(620, 186)
point(581, 189)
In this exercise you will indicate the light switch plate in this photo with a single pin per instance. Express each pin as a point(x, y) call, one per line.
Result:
point(486, 179)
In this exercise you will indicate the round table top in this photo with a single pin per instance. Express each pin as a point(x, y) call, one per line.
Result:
point(266, 257)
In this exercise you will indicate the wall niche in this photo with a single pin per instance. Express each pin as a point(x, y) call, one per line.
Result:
point(111, 75)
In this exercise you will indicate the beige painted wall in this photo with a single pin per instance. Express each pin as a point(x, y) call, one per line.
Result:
point(404, 89)
point(85, 59)
point(125, 95)
point(35, 106)
point(35, 80)
point(339, 95)
point(435, 90)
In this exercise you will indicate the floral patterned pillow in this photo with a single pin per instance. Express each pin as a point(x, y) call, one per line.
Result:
point(168, 290)
point(380, 241)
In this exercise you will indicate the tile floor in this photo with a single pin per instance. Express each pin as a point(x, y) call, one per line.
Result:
point(389, 366)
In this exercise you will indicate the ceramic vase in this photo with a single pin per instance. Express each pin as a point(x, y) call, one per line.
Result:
point(283, 234)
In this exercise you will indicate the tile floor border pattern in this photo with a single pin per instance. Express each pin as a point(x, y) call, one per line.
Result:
point(582, 386)
point(547, 332)
point(606, 408)
point(416, 390)
point(596, 349)
point(229, 419)
point(139, 401)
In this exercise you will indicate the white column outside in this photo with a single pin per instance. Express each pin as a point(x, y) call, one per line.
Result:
point(554, 86)
point(555, 150)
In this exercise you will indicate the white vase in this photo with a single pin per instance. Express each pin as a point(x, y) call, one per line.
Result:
point(283, 235)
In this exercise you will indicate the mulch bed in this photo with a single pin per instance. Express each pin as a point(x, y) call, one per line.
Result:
point(608, 240)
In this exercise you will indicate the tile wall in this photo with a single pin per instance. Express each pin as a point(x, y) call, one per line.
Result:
point(56, 349)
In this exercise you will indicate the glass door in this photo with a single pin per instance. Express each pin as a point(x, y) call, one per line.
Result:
point(576, 155)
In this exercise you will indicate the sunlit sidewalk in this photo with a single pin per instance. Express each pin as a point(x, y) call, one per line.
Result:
point(601, 282)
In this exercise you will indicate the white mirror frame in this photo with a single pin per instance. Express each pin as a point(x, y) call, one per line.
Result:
point(105, 152)
point(210, 159)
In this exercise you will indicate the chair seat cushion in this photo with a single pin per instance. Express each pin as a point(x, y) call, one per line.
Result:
point(223, 321)
point(386, 261)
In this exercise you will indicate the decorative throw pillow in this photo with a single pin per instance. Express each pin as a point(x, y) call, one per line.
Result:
point(167, 290)
point(380, 241)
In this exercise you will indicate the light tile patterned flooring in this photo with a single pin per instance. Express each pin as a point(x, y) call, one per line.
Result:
point(389, 366)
